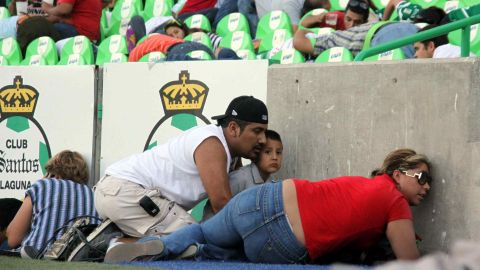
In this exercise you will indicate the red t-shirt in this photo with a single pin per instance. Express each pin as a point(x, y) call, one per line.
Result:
point(197, 5)
point(339, 24)
point(350, 211)
point(86, 16)
point(154, 43)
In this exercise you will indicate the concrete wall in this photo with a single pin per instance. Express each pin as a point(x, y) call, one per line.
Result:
point(342, 119)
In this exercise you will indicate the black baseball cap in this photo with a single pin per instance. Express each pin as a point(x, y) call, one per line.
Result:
point(246, 108)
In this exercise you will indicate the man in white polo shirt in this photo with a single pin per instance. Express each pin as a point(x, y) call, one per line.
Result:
point(149, 193)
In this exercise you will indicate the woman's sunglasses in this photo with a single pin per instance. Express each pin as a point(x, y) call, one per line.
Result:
point(357, 3)
point(422, 177)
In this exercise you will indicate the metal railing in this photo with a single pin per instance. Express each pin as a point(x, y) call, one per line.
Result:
point(463, 24)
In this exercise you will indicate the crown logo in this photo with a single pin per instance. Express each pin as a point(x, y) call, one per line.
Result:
point(18, 99)
point(184, 95)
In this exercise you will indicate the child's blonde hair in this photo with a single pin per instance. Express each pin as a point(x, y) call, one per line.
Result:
point(68, 165)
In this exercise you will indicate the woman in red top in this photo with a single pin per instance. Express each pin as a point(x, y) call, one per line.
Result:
point(297, 221)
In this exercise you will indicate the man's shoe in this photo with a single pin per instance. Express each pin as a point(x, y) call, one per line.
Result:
point(149, 250)
point(96, 244)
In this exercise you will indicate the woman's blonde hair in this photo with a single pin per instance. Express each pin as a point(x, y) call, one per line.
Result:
point(401, 159)
point(68, 165)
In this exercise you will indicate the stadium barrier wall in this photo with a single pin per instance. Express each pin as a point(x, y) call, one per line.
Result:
point(343, 119)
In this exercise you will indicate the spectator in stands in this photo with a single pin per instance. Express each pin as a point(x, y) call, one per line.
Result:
point(33, 28)
point(9, 208)
point(406, 10)
point(258, 172)
point(8, 26)
point(355, 38)
point(50, 203)
point(303, 214)
point(172, 178)
point(356, 13)
point(294, 8)
point(437, 47)
point(76, 17)
point(172, 44)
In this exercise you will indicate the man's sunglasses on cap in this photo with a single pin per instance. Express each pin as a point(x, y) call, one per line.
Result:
point(422, 177)
point(358, 3)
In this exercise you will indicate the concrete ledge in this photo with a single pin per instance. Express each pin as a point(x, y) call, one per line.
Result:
point(342, 119)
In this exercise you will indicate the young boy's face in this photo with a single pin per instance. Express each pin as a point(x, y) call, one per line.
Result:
point(270, 158)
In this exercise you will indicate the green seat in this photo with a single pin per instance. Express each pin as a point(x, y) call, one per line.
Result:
point(74, 59)
point(396, 54)
point(3, 61)
point(429, 3)
point(115, 58)
point(80, 45)
point(316, 11)
point(198, 21)
point(455, 38)
point(452, 5)
point(157, 8)
point(246, 54)
point(153, 57)
point(380, 4)
point(10, 50)
point(231, 23)
point(44, 46)
point(238, 40)
point(288, 56)
point(111, 45)
point(274, 39)
point(4, 13)
point(103, 25)
point(199, 54)
point(35, 60)
point(200, 37)
point(121, 15)
point(272, 21)
point(335, 54)
point(338, 5)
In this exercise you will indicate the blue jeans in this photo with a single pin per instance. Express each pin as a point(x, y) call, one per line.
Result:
point(66, 30)
point(253, 220)
point(396, 31)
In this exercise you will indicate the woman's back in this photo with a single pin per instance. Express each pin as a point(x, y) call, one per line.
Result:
point(54, 203)
point(348, 211)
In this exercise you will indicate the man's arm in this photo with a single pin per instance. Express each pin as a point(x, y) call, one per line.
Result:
point(314, 20)
point(401, 236)
point(20, 225)
point(302, 43)
point(61, 10)
point(211, 161)
point(389, 9)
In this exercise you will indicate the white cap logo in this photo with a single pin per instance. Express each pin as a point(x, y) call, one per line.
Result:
point(234, 113)
point(264, 117)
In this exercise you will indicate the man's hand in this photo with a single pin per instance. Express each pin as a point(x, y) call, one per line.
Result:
point(211, 161)
point(314, 20)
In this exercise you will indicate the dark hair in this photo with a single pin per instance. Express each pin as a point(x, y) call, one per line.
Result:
point(430, 15)
point(272, 135)
point(68, 165)
point(33, 28)
point(9, 208)
point(310, 5)
point(178, 23)
point(360, 7)
point(225, 121)
point(401, 159)
point(437, 41)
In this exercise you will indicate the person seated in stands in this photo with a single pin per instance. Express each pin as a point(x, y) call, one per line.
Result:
point(172, 44)
point(355, 38)
point(258, 172)
point(75, 17)
point(437, 47)
point(294, 8)
point(51, 203)
point(303, 213)
point(9, 208)
point(356, 13)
